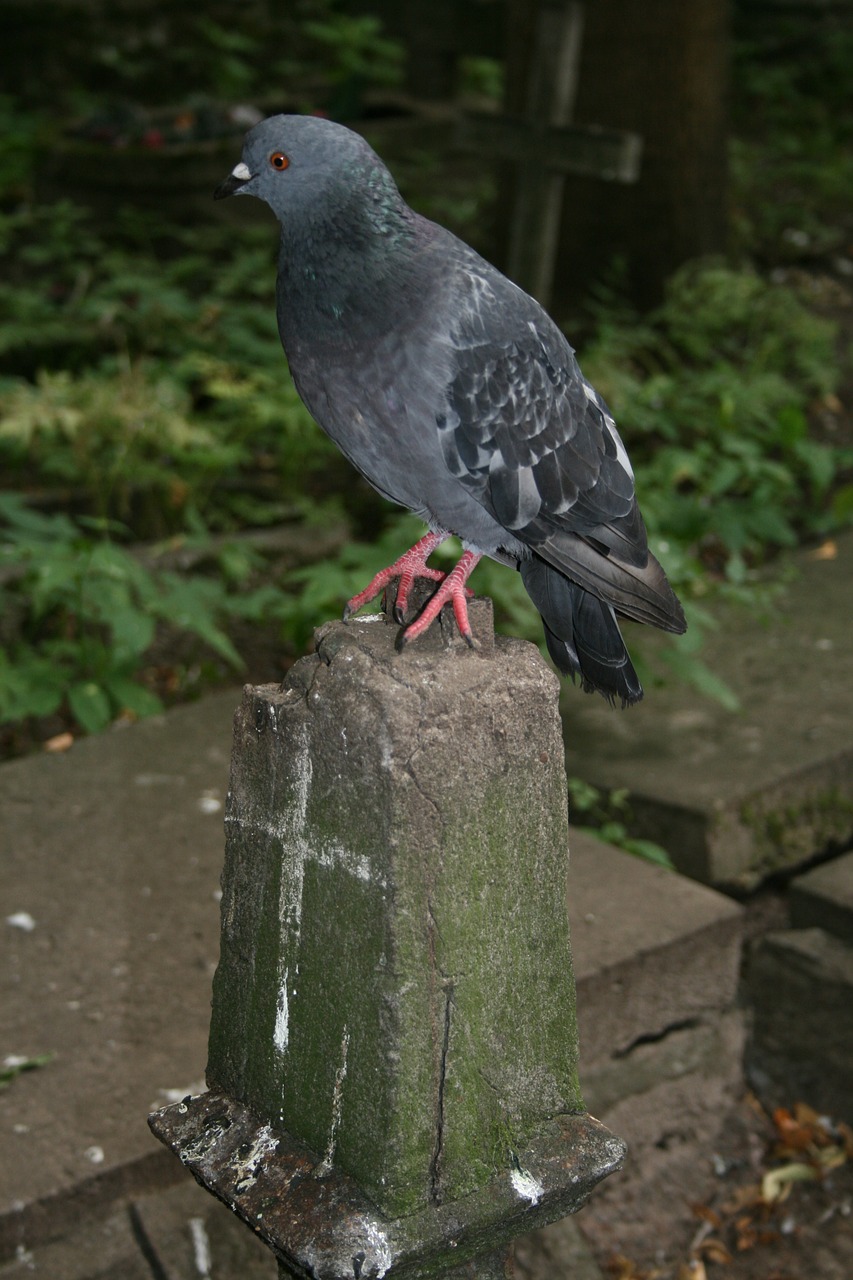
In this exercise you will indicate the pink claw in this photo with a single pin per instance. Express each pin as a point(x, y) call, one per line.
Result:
point(452, 588)
point(413, 565)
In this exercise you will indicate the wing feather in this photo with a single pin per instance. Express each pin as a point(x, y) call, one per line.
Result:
point(538, 447)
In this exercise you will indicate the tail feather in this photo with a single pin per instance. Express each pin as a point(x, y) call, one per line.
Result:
point(582, 633)
point(640, 592)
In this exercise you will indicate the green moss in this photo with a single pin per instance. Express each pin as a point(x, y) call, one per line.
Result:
point(797, 830)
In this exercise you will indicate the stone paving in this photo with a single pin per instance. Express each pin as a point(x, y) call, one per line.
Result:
point(736, 796)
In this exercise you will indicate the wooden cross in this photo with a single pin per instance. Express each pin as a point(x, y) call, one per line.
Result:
point(545, 147)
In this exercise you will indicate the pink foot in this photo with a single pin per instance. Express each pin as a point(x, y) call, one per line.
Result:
point(453, 589)
point(407, 569)
point(410, 566)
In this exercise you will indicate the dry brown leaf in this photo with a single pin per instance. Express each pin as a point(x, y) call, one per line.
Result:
point(795, 1134)
point(60, 742)
point(826, 551)
point(746, 1235)
point(804, 1114)
point(715, 1251)
point(622, 1268)
point(748, 1197)
point(707, 1214)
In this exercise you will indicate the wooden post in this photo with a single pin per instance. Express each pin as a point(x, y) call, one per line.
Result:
point(393, 1054)
point(660, 69)
point(540, 143)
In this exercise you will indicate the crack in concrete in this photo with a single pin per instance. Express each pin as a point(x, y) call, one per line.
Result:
point(655, 1037)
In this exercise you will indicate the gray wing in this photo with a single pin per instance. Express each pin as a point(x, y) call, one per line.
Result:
point(538, 446)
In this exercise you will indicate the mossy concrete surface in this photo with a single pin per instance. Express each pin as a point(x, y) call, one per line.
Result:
point(736, 796)
point(395, 985)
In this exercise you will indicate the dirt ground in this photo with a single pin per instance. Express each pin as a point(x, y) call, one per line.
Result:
point(728, 1222)
point(772, 1201)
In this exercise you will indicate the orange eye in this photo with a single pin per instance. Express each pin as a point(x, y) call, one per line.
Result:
point(279, 160)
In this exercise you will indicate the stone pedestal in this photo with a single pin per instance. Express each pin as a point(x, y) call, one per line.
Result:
point(393, 1052)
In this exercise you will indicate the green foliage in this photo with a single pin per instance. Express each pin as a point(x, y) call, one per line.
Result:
point(356, 49)
point(15, 1066)
point(19, 132)
point(607, 816)
point(80, 612)
point(482, 78)
point(712, 393)
point(173, 398)
point(792, 164)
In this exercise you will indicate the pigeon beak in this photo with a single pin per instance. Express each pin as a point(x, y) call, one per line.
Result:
point(237, 178)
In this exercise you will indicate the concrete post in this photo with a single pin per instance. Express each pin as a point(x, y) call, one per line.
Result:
point(393, 1053)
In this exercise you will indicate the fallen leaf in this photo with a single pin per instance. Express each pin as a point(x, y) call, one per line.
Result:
point(826, 551)
point(59, 742)
point(715, 1251)
point(831, 1157)
point(707, 1214)
point(804, 1114)
point(746, 1235)
point(776, 1184)
point(622, 1268)
point(748, 1197)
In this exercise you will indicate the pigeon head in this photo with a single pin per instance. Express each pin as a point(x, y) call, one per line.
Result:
point(311, 169)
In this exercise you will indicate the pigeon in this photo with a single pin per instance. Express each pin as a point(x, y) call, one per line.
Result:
point(455, 395)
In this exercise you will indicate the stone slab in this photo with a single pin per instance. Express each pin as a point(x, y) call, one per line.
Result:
point(652, 950)
point(187, 1234)
point(673, 1130)
point(102, 1250)
point(114, 851)
point(736, 796)
point(823, 897)
point(800, 988)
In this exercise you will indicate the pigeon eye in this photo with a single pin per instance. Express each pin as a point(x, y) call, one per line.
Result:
point(279, 160)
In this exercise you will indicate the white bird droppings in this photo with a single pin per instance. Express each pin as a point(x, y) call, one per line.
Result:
point(525, 1185)
point(281, 1032)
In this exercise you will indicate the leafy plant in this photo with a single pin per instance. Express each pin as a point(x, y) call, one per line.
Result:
point(607, 816)
point(792, 168)
point(713, 393)
point(80, 613)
